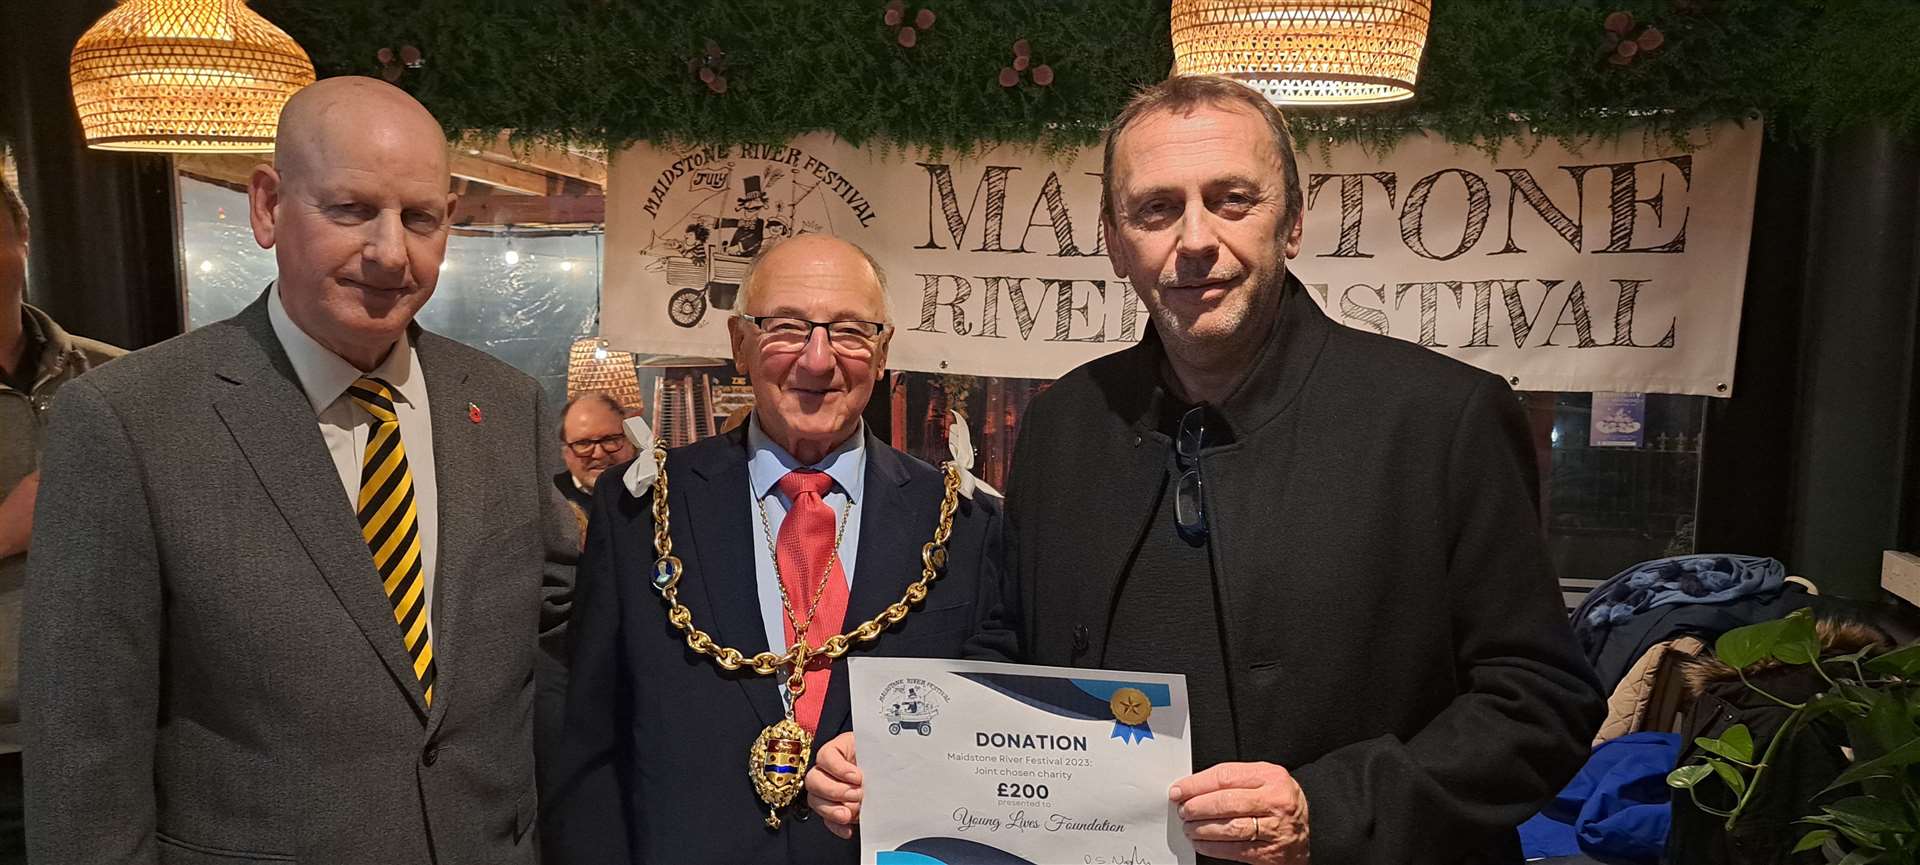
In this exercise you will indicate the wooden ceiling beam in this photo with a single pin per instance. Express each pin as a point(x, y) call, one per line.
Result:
point(531, 210)
point(227, 169)
point(542, 157)
point(548, 172)
point(498, 175)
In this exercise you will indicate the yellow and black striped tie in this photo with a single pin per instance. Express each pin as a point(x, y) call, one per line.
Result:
point(390, 524)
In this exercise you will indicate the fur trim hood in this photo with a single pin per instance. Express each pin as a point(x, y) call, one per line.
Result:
point(1837, 637)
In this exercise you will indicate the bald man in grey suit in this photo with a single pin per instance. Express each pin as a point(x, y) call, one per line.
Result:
point(287, 595)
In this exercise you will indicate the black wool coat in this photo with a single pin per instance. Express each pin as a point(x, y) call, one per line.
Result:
point(1393, 632)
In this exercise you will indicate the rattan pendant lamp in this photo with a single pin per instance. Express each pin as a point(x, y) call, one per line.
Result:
point(1305, 52)
point(184, 75)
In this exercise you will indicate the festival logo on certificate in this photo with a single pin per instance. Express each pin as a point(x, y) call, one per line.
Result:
point(910, 705)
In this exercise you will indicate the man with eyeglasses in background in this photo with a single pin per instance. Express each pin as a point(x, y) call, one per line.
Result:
point(800, 522)
point(592, 440)
point(1332, 534)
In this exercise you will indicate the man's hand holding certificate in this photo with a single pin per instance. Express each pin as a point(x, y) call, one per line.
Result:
point(974, 762)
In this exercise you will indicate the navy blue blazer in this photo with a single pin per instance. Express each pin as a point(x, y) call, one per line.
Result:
point(650, 758)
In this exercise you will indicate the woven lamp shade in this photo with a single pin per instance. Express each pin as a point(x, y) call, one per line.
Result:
point(184, 75)
point(1305, 52)
point(591, 366)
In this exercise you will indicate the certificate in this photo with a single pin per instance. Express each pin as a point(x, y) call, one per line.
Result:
point(976, 763)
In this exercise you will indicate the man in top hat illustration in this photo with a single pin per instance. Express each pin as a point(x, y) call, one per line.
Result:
point(748, 229)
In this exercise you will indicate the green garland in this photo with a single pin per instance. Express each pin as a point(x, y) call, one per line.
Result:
point(615, 71)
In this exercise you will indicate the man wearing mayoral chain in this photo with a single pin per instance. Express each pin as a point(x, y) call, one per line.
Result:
point(716, 599)
point(1331, 533)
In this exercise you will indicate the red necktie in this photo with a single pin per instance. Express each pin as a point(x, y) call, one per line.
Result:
point(805, 542)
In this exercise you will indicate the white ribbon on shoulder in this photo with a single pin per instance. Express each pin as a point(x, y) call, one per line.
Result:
point(960, 445)
point(640, 474)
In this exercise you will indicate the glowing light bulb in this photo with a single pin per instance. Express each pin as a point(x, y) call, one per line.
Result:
point(511, 257)
point(206, 265)
point(566, 267)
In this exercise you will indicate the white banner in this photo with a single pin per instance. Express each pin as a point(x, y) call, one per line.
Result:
point(1618, 267)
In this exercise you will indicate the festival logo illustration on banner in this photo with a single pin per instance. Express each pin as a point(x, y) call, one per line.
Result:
point(996, 263)
point(723, 220)
point(1613, 266)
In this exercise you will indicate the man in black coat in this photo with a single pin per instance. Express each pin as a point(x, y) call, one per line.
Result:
point(1332, 534)
point(801, 522)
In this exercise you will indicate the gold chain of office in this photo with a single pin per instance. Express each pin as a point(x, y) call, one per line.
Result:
point(778, 760)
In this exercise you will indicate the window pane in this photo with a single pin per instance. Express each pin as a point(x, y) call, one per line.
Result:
point(1609, 507)
point(521, 278)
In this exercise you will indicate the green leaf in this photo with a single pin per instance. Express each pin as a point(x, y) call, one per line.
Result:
point(1859, 857)
point(1904, 662)
point(1743, 647)
point(1797, 641)
point(1813, 840)
point(1850, 657)
point(1872, 815)
point(1734, 744)
point(1883, 766)
point(1685, 777)
point(1861, 694)
point(1888, 723)
point(1731, 776)
point(1829, 703)
point(1853, 834)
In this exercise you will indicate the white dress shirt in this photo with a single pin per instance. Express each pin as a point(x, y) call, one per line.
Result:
point(767, 463)
point(345, 426)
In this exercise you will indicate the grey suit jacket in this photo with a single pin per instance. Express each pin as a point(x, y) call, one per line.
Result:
point(211, 672)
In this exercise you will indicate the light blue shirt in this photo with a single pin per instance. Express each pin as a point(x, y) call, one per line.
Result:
point(767, 463)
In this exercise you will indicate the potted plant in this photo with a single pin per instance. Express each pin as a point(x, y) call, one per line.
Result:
point(1861, 704)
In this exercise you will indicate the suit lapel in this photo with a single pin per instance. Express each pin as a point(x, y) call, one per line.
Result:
point(274, 426)
point(460, 453)
point(716, 498)
point(896, 519)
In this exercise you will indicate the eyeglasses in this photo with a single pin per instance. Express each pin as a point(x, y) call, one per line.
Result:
point(1189, 506)
point(784, 334)
point(611, 444)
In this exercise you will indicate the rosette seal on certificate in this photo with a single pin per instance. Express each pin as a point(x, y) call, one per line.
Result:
point(976, 763)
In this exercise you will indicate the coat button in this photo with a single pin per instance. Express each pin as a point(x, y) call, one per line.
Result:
point(1079, 639)
point(432, 755)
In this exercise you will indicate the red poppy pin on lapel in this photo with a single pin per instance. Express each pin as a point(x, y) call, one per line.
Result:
point(473, 413)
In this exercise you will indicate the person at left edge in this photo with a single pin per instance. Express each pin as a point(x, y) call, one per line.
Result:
point(654, 749)
point(37, 357)
point(286, 594)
